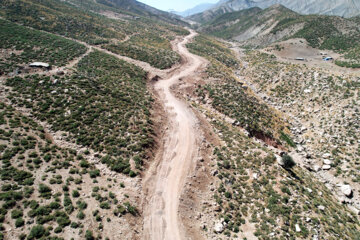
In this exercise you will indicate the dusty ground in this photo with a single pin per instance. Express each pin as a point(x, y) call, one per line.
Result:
point(308, 114)
point(166, 177)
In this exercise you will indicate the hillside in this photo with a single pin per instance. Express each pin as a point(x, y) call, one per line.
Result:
point(117, 122)
point(246, 24)
point(254, 197)
point(343, 8)
point(58, 128)
point(143, 10)
point(120, 31)
point(258, 28)
point(77, 136)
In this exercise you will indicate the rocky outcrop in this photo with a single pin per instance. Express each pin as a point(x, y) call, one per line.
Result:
point(347, 190)
point(219, 226)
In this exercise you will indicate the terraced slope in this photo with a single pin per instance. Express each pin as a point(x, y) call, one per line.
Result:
point(21, 46)
point(119, 31)
point(66, 134)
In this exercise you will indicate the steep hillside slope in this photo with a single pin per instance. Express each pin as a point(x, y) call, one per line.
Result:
point(128, 135)
point(257, 28)
point(77, 135)
point(58, 144)
point(322, 105)
point(344, 8)
point(256, 193)
point(141, 9)
point(123, 32)
point(246, 24)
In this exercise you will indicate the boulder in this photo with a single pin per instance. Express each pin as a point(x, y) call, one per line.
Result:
point(316, 168)
point(279, 160)
point(219, 226)
point(300, 149)
point(327, 162)
point(297, 228)
point(347, 191)
point(326, 167)
point(321, 207)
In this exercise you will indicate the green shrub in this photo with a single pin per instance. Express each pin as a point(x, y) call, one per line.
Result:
point(44, 191)
point(16, 214)
point(288, 161)
point(75, 194)
point(19, 222)
point(62, 219)
point(36, 232)
point(89, 235)
point(105, 205)
point(80, 215)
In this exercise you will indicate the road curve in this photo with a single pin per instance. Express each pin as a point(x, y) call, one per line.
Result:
point(181, 148)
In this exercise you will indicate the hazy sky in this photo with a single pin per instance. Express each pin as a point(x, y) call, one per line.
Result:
point(177, 5)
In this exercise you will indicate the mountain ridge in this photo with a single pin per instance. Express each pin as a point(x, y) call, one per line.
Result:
point(255, 27)
point(343, 8)
point(142, 9)
point(197, 9)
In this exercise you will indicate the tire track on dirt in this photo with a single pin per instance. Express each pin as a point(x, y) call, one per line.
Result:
point(166, 180)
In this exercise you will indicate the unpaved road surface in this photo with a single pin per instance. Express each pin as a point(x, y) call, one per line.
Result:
point(180, 152)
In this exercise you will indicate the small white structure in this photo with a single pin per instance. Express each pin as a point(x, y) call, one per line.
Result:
point(300, 59)
point(39, 64)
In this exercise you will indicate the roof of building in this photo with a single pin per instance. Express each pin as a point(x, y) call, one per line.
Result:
point(39, 64)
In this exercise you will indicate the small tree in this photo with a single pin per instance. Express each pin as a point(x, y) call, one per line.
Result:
point(89, 235)
point(19, 222)
point(288, 161)
point(36, 232)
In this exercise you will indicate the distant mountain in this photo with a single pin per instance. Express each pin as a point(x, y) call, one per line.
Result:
point(343, 8)
point(249, 23)
point(142, 9)
point(256, 28)
point(197, 9)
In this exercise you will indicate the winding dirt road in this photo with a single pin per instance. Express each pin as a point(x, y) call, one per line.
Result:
point(166, 178)
point(181, 149)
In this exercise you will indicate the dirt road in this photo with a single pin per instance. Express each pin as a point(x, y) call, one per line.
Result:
point(166, 178)
point(181, 149)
